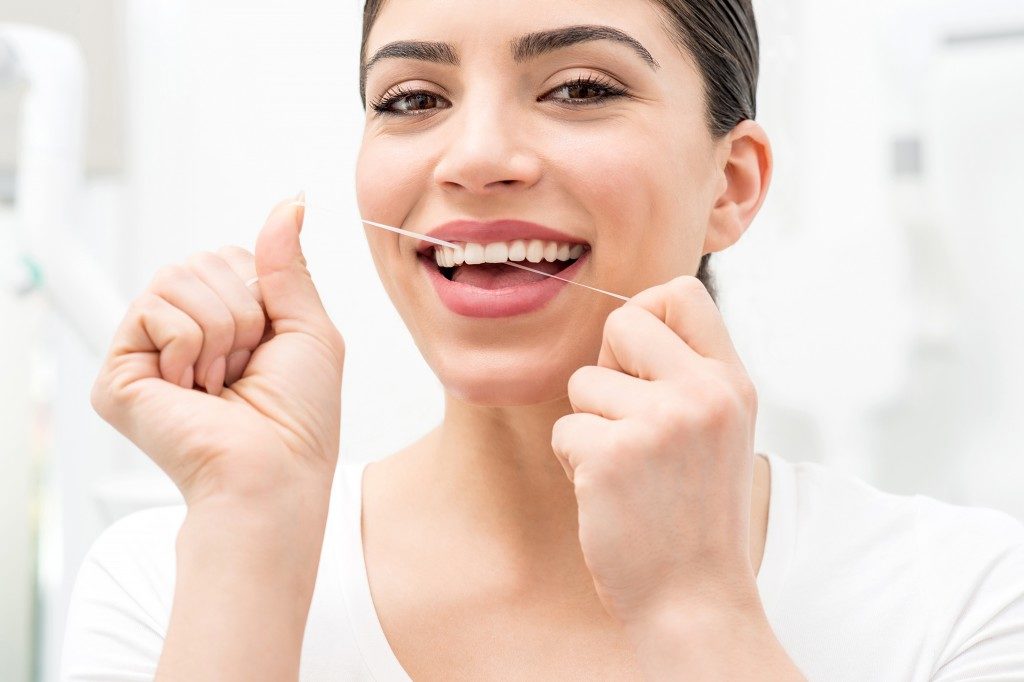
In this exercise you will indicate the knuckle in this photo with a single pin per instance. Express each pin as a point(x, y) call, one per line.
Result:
point(232, 252)
point(688, 285)
point(99, 397)
point(143, 305)
point(191, 334)
point(560, 435)
point(220, 327)
point(619, 321)
point(747, 393)
point(169, 276)
point(720, 406)
point(578, 379)
point(201, 260)
point(668, 415)
point(252, 319)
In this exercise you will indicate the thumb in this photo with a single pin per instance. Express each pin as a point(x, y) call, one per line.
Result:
point(291, 299)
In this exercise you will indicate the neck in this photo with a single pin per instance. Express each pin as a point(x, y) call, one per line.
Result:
point(496, 466)
point(494, 477)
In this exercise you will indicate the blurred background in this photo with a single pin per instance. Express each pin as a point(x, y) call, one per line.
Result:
point(874, 300)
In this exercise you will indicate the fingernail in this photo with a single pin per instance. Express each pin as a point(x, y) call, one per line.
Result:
point(215, 376)
point(301, 197)
point(187, 377)
point(237, 363)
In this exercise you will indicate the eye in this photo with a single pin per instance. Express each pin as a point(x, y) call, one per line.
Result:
point(582, 91)
point(578, 89)
point(401, 102)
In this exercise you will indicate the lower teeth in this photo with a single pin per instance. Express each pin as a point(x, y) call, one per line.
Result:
point(449, 273)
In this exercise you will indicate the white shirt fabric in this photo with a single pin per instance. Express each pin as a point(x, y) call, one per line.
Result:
point(858, 585)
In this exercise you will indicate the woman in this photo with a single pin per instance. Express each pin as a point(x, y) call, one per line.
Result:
point(591, 506)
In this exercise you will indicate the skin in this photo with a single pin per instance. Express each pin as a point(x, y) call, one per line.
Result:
point(600, 514)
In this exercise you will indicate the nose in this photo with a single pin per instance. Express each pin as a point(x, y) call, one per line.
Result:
point(488, 151)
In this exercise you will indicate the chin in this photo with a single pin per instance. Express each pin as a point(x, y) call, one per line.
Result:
point(506, 387)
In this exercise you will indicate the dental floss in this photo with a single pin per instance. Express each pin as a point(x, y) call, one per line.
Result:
point(441, 242)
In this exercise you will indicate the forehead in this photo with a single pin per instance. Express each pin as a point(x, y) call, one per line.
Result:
point(474, 25)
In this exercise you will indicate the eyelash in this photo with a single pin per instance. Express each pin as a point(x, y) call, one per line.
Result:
point(383, 105)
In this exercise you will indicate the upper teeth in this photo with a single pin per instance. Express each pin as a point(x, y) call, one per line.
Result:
point(534, 250)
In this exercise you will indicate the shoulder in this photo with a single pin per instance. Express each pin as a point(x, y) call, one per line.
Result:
point(840, 504)
point(961, 567)
point(841, 522)
point(971, 571)
point(138, 546)
point(121, 601)
point(969, 557)
point(141, 541)
point(834, 507)
point(134, 558)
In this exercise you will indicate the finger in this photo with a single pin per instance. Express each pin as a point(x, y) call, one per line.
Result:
point(243, 263)
point(685, 305)
point(238, 361)
point(642, 345)
point(154, 325)
point(180, 287)
point(291, 299)
point(607, 392)
point(570, 437)
point(240, 301)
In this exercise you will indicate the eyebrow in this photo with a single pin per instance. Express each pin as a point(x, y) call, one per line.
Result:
point(524, 48)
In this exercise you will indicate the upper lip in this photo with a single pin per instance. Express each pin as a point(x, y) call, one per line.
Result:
point(495, 231)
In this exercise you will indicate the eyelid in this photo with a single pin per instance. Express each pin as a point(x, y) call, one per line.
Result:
point(420, 85)
point(597, 79)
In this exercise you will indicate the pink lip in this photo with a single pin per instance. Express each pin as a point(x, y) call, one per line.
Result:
point(470, 301)
point(496, 231)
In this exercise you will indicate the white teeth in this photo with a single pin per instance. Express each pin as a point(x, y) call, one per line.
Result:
point(534, 251)
point(517, 250)
point(496, 253)
point(551, 251)
point(474, 254)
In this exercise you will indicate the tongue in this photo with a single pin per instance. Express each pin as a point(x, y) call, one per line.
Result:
point(499, 275)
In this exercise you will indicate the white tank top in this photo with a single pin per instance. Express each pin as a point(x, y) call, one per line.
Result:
point(858, 584)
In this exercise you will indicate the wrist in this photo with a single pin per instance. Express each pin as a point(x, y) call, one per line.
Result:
point(691, 640)
point(696, 618)
point(244, 584)
point(279, 536)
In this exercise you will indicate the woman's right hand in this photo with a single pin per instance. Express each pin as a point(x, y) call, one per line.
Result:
point(232, 390)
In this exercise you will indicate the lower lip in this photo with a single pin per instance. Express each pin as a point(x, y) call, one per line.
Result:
point(463, 299)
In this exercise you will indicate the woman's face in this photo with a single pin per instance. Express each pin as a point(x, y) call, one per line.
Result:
point(517, 118)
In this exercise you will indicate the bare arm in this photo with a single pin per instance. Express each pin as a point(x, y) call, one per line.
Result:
point(687, 643)
point(244, 584)
point(235, 393)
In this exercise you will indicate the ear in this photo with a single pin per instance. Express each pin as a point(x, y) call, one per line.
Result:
point(745, 159)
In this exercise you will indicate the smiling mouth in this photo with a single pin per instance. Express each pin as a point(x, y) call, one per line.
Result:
point(486, 266)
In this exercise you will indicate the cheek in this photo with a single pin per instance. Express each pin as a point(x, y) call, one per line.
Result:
point(643, 194)
point(389, 179)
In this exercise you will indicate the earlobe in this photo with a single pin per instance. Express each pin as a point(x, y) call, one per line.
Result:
point(747, 170)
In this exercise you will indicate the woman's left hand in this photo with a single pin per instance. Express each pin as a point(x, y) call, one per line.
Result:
point(660, 450)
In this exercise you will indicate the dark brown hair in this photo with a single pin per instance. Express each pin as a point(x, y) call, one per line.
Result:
point(720, 36)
